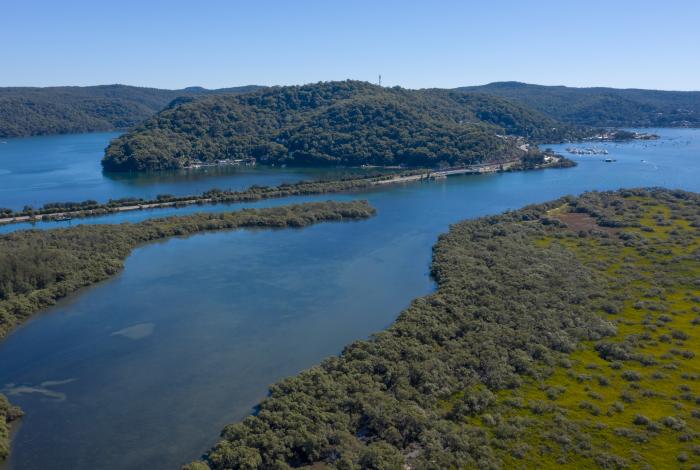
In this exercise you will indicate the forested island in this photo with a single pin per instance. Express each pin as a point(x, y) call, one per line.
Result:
point(602, 107)
point(561, 334)
point(26, 111)
point(346, 123)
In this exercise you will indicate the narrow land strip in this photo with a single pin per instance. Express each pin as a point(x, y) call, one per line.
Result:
point(256, 193)
point(38, 267)
point(546, 345)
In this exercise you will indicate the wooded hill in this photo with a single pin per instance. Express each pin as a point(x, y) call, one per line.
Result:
point(602, 107)
point(333, 123)
point(562, 334)
point(26, 111)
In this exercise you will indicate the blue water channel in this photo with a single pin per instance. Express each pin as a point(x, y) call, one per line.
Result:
point(143, 370)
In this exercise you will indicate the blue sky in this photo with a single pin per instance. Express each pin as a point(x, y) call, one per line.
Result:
point(415, 44)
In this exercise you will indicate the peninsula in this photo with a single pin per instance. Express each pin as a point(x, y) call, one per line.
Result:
point(38, 267)
point(560, 334)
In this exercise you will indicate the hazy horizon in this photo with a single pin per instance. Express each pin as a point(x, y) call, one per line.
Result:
point(319, 81)
point(218, 44)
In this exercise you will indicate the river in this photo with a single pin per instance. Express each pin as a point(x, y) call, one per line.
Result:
point(143, 370)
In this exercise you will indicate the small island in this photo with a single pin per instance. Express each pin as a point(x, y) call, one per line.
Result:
point(347, 123)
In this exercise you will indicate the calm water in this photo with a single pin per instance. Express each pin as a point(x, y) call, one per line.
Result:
point(142, 371)
point(37, 170)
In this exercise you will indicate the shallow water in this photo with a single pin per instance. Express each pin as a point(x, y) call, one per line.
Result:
point(151, 364)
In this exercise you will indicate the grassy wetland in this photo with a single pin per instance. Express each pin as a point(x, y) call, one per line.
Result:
point(633, 398)
point(562, 334)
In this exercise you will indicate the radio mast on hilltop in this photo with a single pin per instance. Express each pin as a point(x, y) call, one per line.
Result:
point(380, 79)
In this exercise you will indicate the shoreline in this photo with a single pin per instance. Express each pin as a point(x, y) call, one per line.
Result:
point(282, 191)
point(429, 335)
point(287, 216)
point(14, 426)
point(26, 306)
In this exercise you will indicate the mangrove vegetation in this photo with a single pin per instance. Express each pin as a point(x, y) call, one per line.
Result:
point(254, 193)
point(561, 334)
point(340, 183)
point(38, 267)
point(8, 414)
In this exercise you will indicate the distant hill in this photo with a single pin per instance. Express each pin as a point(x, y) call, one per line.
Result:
point(28, 111)
point(63, 110)
point(602, 107)
point(333, 123)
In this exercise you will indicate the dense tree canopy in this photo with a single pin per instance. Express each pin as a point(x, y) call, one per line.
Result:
point(334, 123)
point(8, 413)
point(37, 267)
point(602, 107)
point(542, 316)
point(61, 110)
point(351, 181)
